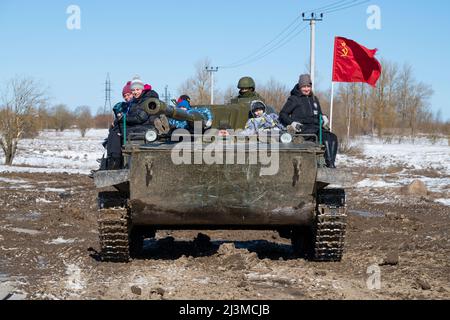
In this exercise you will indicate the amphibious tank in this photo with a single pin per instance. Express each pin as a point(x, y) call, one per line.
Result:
point(217, 179)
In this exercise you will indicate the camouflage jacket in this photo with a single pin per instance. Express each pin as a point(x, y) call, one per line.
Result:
point(266, 122)
point(247, 98)
point(205, 112)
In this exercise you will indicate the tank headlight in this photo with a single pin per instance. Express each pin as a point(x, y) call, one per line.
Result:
point(151, 136)
point(286, 138)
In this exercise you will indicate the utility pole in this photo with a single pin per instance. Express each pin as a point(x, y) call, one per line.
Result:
point(167, 95)
point(211, 71)
point(107, 100)
point(312, 20)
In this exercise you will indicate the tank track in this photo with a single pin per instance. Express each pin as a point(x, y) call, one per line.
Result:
point(329, 233)
point(114, 229)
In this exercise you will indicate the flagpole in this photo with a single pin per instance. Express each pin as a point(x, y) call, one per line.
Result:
point(331, 106)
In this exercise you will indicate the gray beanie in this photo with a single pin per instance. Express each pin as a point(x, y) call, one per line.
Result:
point(305, 80)
point(137, 83)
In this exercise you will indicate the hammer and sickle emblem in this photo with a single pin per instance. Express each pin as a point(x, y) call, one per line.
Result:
point(344, 49)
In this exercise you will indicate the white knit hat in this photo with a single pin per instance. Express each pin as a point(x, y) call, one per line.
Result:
point(137, 83)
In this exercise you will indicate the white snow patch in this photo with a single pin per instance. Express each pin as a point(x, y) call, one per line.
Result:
point(445, 202)
point(26, 231)
point(74, 280)
point(368, 183)
point(12, 181)
point(418, 154)
point(18, 169)
point(61, 240)
point(56, 152)
point(43, 200)
point(15, 184)
point(432, 184)
point(58, 190)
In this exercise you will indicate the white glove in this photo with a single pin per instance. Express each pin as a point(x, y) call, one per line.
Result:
point(208, 124)
point(297, 126)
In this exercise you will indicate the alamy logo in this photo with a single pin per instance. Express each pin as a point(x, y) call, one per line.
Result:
point(211, 148)
point(374, 20)
point(74, 20)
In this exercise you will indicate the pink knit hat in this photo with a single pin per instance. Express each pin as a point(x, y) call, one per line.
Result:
point(126, 89)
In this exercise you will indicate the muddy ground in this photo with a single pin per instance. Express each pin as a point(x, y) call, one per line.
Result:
point(48, 244)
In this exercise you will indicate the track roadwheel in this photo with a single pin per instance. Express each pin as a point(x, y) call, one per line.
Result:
point(113, 226)
point(330, 234)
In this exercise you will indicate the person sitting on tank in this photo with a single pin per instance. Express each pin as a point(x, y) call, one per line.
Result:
point(302, 114)
point(184, 103)
point(132, 119)
point(121, 107)
point(115, 130)
point(142, 92)
point(260, 120)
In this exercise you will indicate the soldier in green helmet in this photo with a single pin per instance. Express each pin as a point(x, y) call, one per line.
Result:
point(247, 92)
point(247, 95)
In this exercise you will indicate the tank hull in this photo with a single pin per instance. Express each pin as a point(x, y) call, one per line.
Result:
point(164, 194)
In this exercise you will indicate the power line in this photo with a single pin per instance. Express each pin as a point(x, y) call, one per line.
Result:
point(331, 5)
point(259, 54)
point(346, 7)
point(296, 20)
point(266, 53)
point(280, 43)
point(272, 47)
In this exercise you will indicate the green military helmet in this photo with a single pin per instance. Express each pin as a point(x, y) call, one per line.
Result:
point(246, 82)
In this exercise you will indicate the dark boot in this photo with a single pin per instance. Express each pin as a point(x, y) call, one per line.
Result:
point(331, 148)
point(114, 163)
point(103, 166)
point(103, 163)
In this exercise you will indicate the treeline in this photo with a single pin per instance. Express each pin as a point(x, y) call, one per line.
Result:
point(399, 105)
point(60, 118)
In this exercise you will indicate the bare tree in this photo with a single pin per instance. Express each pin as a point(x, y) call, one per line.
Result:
point(229, 93)
point(418, 105)
point(275, 93)
point(198, 87)
point(84, 119)
point(398, 105)
point(62, 117)
point(20, 100)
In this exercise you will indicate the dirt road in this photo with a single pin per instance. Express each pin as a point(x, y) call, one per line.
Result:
point(48, 244)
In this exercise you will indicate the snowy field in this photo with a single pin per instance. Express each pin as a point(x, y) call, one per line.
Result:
point(395, 165)
point(398, 163)
point(58, 152)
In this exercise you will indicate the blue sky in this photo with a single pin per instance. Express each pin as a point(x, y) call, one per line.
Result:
point(162, 41)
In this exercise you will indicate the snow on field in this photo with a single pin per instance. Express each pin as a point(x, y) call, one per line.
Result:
point(56, 152)
point(420, 154)
point(410, 156)
point(445, 202)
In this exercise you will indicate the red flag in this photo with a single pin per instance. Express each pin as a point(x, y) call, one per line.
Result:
point(355, 63)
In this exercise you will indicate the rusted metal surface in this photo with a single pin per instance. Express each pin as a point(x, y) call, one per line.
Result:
point(327, 176)
point(163, 193)
point(108, 178)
